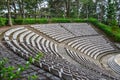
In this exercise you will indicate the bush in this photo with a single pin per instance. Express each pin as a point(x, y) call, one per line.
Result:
point(10, 72)
point(18, 21)
point(41, 21)
point(14, 73)
point(30, 21)
point(3, 21)
point(60, 20)
point(111, 31)
point(79, 20)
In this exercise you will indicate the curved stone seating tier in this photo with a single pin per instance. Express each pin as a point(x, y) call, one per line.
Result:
point(15, 34)
point(27, 43)
point(62, 68)
point(94, 39)
point(54, 31)
point(22, 36)
point(80, 29)
point(9, 32)
point(114, 63)
point(93, 46)
point(81, 59)
point(33, 40)
point(85, 61)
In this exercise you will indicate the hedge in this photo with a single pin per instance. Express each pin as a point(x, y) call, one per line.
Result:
point(60, 20)
point(30, 21)
point(79, 20)
point(3, 21)
point(112, 31)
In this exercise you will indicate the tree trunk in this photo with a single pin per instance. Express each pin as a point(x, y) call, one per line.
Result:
point(15, 14)
point(9, 13)
point(67, 8)
point(87, 13)
point(78, 6)
point(22, 9)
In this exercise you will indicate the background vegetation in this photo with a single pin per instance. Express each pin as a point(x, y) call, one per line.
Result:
point(105, 13)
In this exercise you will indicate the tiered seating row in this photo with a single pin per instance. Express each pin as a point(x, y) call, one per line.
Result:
point(80, 29)
point(91, 64)
point(28, 42)
point(81, 59)
point(54, 31)
point(67, 71)
point(93, 46)
point(113, 65)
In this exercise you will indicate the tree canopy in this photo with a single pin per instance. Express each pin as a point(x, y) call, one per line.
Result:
point(104, 10)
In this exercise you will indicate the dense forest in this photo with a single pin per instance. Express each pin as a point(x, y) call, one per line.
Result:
point(107, 11)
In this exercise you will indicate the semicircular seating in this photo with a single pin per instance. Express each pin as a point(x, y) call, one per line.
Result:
point(93, 46)
point(54, 31)
point(81, 59)
point(114, 63)
point(79, 29)
point(29, 42)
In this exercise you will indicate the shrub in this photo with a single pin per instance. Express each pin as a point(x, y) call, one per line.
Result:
point(18, 21)
point(14, 73)
point(111, 31)
point(30, 21)
point(10, 72)
point(79, 20)
point(41, 21)
point(60, 20)
point(3, 21)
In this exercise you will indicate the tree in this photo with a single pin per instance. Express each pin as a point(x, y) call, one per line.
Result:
point(111, 12)
point(9, 13)
point(88, 8)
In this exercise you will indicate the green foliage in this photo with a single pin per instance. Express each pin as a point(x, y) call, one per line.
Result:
point(36, 58)
point(60, 20)
point(3, 21)
point(10, 72)
point(33, 77)
point(112, 31)
point(79, 20)
point(113, 23)
point(18, 21)
point(30, 21)
point(111, 13)
point(41, 21)
point(14, 73)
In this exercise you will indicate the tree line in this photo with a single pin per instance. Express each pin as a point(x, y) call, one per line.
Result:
point(107, 11)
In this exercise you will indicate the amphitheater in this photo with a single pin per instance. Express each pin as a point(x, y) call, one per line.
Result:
point(72, 51)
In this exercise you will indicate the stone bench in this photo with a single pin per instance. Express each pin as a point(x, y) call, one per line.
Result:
point(113, 65)
point(28, 38)
point(9, 32)
point(22, 36)
point(16, 33)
